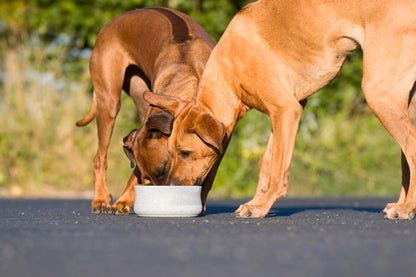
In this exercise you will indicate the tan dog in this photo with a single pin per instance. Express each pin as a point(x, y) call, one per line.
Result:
point(156, 49)
point(273, 55)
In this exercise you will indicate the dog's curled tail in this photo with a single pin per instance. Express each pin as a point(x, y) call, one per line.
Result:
point(91, 114)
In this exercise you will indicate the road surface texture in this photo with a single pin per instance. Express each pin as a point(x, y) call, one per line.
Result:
point(300, 237)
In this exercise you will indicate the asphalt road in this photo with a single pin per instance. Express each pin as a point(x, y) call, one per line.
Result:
point(300, 237)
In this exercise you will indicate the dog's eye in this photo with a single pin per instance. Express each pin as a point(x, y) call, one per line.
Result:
point(185, 154)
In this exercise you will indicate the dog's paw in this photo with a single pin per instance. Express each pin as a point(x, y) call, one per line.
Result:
point(389, 206)
point(121, 207)
point(396, 211)
point(101, 206)
point(251, 211)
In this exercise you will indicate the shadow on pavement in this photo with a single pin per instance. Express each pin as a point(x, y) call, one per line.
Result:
point(284, 211)
point(220, 209)
point(290, 207)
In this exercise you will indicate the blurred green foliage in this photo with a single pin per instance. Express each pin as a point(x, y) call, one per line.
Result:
point(44, 88)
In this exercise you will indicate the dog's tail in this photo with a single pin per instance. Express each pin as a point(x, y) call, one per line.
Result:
point(91, 114)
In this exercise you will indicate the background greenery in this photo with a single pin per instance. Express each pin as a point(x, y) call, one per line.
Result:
point(45, 88)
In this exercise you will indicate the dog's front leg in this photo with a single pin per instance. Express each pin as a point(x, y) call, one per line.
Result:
point(285, 122)
point(125, 202)
point(264, 176)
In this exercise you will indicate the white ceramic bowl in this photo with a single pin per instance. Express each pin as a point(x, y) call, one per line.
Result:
point(168, 201)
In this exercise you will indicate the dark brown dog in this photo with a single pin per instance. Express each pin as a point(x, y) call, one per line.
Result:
point(155, 49)
point(273, 55)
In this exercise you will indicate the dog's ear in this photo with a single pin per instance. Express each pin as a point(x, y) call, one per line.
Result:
point(138, 175)
point(128, 146)
point(129, 143)
point(165, 102)
point(208, 128)
point(161, 121)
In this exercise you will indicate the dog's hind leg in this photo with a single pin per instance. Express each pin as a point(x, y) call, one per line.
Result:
point(389, 76)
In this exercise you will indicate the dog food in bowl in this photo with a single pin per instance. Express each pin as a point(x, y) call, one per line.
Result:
point(168, 201)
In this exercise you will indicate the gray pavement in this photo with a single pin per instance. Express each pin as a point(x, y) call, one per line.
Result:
point(300, 237)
